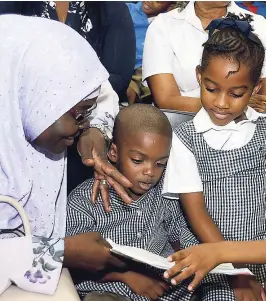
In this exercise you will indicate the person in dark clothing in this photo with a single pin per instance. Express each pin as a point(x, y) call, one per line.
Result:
point(107, 26)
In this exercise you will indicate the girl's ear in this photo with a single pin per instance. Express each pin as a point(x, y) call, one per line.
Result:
point(198, 74)
point(113, 153)
point(257, 87)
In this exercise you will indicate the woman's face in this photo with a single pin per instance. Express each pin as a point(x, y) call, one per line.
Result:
point(62, 133)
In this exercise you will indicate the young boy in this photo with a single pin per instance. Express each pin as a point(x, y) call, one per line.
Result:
point(140, 150)
point(142, 14)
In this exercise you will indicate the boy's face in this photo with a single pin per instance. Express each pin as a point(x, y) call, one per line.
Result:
point(225, 93)
point(141, 158)
point(153, 8)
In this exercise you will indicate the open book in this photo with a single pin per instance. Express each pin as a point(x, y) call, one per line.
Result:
point(159, 262)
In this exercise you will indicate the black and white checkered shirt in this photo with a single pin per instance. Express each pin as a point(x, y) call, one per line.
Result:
point(151, 223)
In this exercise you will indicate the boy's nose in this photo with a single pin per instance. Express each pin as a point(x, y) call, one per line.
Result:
point(149, 170)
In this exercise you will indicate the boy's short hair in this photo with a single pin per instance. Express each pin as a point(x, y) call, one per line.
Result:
point(140, 118)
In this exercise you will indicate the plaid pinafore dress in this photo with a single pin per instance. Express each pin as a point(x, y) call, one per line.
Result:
point(234, 185)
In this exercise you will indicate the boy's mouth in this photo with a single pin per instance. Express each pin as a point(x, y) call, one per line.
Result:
point(145, 185)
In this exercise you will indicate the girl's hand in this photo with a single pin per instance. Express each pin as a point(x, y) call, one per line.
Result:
point(198, 260)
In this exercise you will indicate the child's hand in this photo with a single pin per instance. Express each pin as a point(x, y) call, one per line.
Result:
point(246, 288)
point(145, 286)
point(198, 260)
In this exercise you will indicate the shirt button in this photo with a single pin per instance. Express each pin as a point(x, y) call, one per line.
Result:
point(139, 212)
point(139, 235)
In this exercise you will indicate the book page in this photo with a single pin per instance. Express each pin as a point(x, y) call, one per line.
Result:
point(146, 257)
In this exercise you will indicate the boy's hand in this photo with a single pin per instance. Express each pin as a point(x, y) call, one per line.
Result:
point(145, 286)
point(246, 288)
point(198, 260)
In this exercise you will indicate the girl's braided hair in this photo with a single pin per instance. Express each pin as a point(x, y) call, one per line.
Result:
point(233, 39)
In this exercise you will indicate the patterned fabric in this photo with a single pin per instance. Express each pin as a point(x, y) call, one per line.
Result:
point(151, 223)
point(234, 185)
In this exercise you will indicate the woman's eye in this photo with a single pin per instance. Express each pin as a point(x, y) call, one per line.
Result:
point(136, 161)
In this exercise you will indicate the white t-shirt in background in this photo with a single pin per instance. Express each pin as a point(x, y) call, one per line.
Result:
point(174, 45)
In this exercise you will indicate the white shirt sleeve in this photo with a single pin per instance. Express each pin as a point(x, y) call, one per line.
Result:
point(33, 263)
point(107, 108)
point(158, 54)
point(182, 174)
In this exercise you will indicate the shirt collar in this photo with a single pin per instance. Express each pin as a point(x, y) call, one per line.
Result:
point(203, 123)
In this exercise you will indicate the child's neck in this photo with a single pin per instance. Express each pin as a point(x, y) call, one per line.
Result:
point(133, 196)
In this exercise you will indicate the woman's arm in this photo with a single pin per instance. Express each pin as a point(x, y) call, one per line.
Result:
point(158, 60)
point(201, 259)
point(166, 94)
point(118, 53)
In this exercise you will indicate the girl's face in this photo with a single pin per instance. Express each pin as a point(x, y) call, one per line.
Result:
point(225, 92)
point(61, 133)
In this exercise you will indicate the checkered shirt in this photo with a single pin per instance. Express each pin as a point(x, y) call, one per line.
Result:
point(151, 223)
point(234, 185)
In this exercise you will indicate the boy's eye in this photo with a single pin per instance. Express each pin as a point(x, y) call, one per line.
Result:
point(236, 95)
point(161, 164)
point(137, 161)
point(211, 90)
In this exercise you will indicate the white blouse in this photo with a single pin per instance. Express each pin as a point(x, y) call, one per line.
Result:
point(174, 41)
point(182, 174)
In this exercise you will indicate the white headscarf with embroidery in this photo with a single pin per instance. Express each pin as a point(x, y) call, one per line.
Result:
point(46, 69)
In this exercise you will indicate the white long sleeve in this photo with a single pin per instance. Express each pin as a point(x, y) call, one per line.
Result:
point(107, 108)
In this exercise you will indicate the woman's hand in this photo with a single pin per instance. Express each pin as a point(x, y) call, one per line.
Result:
point(89, 251)
point(197, 260)
point(93, 151)
point(258, 103)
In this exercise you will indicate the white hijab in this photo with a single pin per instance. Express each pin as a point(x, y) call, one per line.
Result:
point(46, 69)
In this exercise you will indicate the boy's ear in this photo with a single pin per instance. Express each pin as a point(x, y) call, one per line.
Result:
point(257, 87)
point(198, 74)
point(113, 153)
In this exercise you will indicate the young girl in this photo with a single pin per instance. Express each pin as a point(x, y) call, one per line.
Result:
point(217, 163)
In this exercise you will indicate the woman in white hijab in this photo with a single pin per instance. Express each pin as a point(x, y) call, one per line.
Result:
point(50, 78)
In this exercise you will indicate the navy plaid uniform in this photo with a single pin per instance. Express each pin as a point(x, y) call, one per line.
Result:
point(234, 189)
point(151, 223)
